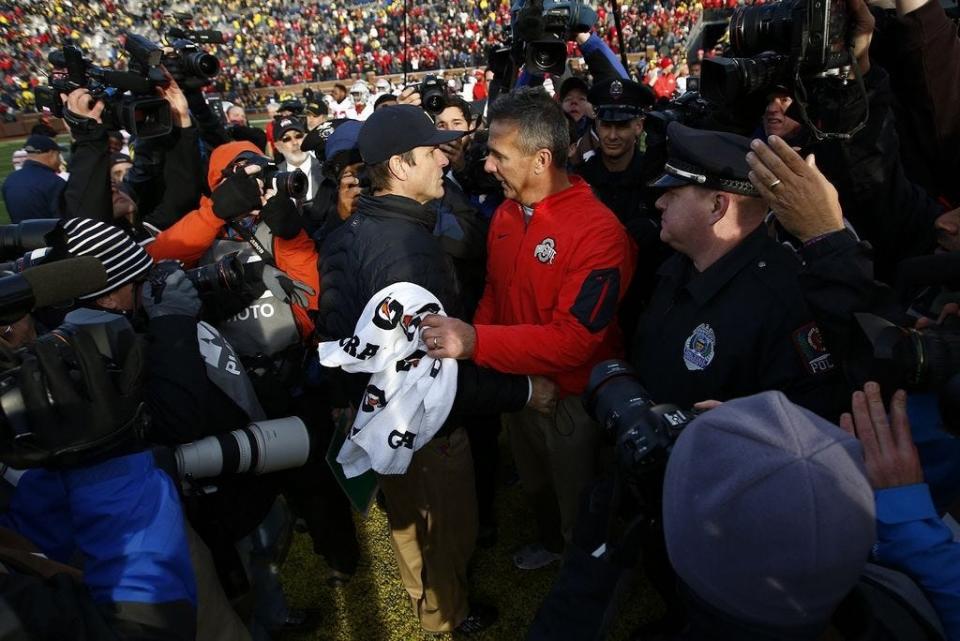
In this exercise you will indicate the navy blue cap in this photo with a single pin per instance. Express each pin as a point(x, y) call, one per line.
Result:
point(343, 138)
point(712, 159)
point(288, 123)
point(619, 99)
point(38, 144)
point(396, 130)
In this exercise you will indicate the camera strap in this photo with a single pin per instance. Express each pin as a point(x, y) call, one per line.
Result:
point(254, 242)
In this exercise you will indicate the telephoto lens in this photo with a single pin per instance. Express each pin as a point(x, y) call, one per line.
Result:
point(259, 448)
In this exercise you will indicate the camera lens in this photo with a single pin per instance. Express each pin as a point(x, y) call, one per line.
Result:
point(760, 28)
point(201, 64)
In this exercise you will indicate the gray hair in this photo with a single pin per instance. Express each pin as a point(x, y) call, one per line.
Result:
point(540, 121)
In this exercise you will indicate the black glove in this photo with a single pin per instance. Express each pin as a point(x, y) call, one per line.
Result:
point(290, 291)
point(75, 406)
point(236, 196)
point(281, 216)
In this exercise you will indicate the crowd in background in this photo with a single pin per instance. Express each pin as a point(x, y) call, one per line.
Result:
point(278, 42)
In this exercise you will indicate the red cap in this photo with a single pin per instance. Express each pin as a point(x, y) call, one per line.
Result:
point(665, 62)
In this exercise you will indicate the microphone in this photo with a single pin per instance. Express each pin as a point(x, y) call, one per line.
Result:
point(51, 284)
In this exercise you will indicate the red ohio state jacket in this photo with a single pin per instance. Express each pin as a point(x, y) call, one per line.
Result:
point(553, 288)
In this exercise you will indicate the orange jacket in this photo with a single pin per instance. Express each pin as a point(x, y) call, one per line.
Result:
point(192, 236)
point(553, 288)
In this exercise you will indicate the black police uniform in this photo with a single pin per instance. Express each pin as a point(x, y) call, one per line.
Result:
point(625, 192)
point(742, 326)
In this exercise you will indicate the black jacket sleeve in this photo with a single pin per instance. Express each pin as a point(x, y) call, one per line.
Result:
point(183, 179)
point(837, 282)
point(883, 205)
point(483, 391)
point(88, 193)
point(925, 68)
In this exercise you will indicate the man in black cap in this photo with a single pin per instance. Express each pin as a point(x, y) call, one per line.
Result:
point(316, 112)
point(727, 318)
point(35, 191)
point(432, 507)
point(573, 99)
point(290, 132)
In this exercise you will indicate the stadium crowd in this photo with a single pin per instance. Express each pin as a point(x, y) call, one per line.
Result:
point(716, 330)
point(275, 42)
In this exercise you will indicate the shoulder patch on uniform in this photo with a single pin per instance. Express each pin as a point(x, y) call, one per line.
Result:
point(700, 348)
point(813, 352)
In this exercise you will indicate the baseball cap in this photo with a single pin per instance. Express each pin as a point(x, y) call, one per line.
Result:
point(571, 83)
point(288, 124)
point(119, 159)
point(398, 129)
point(37, 144)
point(343, 138)
point(316, 108)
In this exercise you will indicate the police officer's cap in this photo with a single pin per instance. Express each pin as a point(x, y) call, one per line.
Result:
point(620, 99)
point(711, 159)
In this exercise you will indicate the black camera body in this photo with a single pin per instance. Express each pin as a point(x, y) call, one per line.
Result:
point(130, 100)
point(643, 432)
point(291, 184)
point(433, 94)
point(776, 43)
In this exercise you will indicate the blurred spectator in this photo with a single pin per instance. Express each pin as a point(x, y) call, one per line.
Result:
point(34, 191)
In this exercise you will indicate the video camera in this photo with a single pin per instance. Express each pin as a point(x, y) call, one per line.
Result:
point(800, 46)
point(25, 236)
point(643, 432)
point(540, 32)
point(190, 66)
point(139, 112)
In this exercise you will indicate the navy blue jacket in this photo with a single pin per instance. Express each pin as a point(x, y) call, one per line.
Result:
point(33, 192)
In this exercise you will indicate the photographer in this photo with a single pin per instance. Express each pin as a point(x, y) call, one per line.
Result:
point(92, 490)
point(177, 157)
point(290, 132)
point(340, 189)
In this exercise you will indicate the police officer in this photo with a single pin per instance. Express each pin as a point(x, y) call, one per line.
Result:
point(727, 318)
point(617, 173)
point(620, 174)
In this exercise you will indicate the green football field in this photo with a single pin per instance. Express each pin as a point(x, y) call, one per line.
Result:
point(374, 605)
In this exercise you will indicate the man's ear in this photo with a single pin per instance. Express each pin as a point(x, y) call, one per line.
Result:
point(720, 205)
point(107, 301)
point(544, 159)
point(397, 167)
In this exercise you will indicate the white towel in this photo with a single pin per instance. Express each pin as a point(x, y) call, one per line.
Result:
point(409, 395)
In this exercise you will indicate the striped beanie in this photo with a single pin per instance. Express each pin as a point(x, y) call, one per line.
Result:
point(122, 257)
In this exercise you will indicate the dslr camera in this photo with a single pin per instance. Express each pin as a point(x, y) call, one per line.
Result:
point(643, 431)
point(130, 99)
point(291, 184)
point(433, 94)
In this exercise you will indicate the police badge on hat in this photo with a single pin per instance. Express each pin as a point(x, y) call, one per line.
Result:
point(616, 89)
point(699, 348)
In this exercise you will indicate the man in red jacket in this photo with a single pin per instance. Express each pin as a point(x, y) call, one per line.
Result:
point(558, 265)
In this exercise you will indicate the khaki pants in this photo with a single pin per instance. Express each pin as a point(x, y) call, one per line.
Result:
point(216, 618)
point(432, 510)
point(556, 458)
